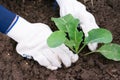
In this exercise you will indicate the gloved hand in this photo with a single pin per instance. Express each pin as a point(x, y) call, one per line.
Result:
point(32, 42)
point(78, 10)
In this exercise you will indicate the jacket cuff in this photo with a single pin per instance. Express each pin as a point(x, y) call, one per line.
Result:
point(7, 20)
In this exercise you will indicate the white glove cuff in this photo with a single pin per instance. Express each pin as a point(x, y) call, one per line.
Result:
point(19, 28)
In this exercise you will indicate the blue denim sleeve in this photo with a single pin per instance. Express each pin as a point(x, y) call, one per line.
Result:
point(6, 19)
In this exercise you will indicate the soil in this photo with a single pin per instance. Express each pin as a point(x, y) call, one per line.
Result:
point(91, 67)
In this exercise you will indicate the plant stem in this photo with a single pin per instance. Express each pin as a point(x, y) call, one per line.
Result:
point(90, 53)
point(73, 50)
point(81, 48)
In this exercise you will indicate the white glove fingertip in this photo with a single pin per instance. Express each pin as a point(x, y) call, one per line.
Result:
point(75, 58)
point(67, 63)
point(52, 67)
point(92, 46)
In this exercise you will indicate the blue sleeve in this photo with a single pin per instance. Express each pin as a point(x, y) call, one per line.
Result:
point(7, 19)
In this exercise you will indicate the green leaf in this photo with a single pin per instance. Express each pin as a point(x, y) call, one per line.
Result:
point(56, 39)
point(79, 36)
point(78, 39)
point(99, 35)
point(72, 28)
point(69, 43)
point(68, 17)
point(60, 23)
point(110, 51)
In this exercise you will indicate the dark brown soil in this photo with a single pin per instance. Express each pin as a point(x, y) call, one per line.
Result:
point(91, 67)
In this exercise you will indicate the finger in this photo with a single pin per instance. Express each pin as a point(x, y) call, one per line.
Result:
point(74, 57)
point(92, 46)
point(52, 57)
point(42, 60)
point(64, 57)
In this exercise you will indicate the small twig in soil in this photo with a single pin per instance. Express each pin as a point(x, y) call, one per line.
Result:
point(112, 75)
point(103, 67)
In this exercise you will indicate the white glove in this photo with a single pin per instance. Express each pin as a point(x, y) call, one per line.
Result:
point(78, 10)
point(32, 42)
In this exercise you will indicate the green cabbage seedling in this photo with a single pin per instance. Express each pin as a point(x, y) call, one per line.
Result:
point(72, 37)
point(67, 24)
